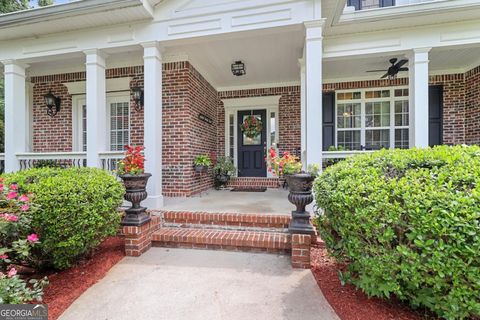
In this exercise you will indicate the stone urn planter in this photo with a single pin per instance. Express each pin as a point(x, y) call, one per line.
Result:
point(300, 195)
point(221, 180)
point(135, 192)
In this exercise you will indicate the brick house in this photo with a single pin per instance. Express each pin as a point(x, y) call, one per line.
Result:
point(319, 74)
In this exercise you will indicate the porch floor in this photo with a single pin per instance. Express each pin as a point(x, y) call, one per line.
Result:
point(272, 201)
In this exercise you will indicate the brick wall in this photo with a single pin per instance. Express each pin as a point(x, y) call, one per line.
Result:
point(185, 94)
point(472, 106)
point(288, 121)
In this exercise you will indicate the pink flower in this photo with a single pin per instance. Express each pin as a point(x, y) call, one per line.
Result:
point(1, 187)
point(12, 195)
point(32, 238)
point(12, 272)
point(13, 187)
point(23, 198)
point(3, 256)
point(9, 217)
point(24, 207)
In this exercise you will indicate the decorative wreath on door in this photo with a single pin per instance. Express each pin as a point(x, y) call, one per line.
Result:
point(251, 126)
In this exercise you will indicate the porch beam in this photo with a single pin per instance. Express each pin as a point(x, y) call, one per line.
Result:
point(418, 97)
point(313, 91)
point(153, 122)
point(16, 116)
point(96, 106)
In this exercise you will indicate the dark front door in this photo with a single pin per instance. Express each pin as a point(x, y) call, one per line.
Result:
point(435, 116)
point(251, 150)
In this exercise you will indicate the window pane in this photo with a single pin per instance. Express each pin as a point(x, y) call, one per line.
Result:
point(350, 140)
point(377, 139)
point(377, 114)
point(401, 113)
point(348, 115)
point(401, 138)
point(119, 125)
point(272, 129)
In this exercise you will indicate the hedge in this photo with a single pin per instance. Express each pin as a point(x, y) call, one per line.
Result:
point(407, 223)
point(77, 210)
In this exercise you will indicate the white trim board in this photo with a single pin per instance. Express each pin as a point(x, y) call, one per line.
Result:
point(115, 84)
point(252, 103)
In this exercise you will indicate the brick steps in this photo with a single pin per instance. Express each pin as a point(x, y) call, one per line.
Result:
point(180, 218)
point(222, 239)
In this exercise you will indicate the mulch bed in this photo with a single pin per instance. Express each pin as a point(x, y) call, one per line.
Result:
point(350, 303)
point(68, 285)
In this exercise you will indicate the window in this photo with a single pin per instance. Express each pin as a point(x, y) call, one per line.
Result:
point(231, 135)
point(118, 123)
point(372, 119)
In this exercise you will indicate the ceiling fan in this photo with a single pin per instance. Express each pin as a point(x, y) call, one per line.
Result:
point(394, 69)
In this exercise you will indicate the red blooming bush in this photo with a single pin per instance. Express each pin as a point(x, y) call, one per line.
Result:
point(134, 161)
point(16, 241)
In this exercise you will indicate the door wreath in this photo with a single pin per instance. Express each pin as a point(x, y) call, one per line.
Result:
point(251, 126)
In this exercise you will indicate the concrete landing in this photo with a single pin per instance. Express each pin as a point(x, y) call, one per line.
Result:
point(197, 284)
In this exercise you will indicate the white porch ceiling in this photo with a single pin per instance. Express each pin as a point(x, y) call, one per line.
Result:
point(269, 58)
point(442, 61)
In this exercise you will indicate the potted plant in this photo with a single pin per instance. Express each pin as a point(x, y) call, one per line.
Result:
point(300, 187)
point(131, 171)
point(223, 170)
point(202, 162)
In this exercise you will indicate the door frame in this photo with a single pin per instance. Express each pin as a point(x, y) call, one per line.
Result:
point(232, 106)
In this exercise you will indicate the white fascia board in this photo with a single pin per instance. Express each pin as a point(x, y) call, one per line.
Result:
point(407, 10)
point(65, 10)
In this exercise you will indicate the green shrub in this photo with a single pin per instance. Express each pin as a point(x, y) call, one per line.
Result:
point(77, 210)
point(407, 223)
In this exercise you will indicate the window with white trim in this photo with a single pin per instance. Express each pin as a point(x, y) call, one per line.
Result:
point(372, 119)
point(117, 126)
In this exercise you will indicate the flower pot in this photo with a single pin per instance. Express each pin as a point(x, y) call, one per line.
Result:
point(135, 192)
point(201, 169)
point(221, 180)
point(300, 195)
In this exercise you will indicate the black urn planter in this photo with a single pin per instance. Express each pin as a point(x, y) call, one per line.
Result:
point(300, 195)
point(201, 169)
point(135, 192)
point(221, 180)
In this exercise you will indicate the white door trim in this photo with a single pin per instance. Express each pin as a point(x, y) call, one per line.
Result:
point(232, 106)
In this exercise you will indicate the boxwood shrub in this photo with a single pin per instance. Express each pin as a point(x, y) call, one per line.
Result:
point(77, 210)
point(407, 223)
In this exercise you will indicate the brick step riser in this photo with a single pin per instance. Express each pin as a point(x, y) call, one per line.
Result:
point(225, 227)
point(217, 247)
point(227, 219)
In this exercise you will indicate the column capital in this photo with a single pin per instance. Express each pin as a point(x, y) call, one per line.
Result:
point(95, 57)
point(418, 55)
point(314, 30)
point(152, 49)
point(15, 67)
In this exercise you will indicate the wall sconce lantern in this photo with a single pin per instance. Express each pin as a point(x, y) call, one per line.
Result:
point(53, 103)
point(238, 68)
point(137, 95)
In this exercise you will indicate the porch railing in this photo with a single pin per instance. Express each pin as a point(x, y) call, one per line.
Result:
point(110, 159)
point(2, 163)
point(373, 4)
point(59, 159)
point(332, 157)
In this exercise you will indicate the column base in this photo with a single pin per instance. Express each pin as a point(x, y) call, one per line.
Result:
point(154, 202)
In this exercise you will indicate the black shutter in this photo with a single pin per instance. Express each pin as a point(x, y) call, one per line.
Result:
point(355, 3)
point(387, 3)
point(435, 115)
point(328, 116)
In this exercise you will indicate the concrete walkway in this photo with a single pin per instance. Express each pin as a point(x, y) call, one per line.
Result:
point(272, 201)
point(198, 284)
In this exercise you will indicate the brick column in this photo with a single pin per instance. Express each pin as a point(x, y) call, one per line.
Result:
point(301, 251)
point(139, 239)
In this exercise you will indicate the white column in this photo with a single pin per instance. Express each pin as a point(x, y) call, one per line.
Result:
point(96, 107)
point(418, 97)
point(303, 114)
point(313, 93)
point(16, 121)
point(153, 122)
